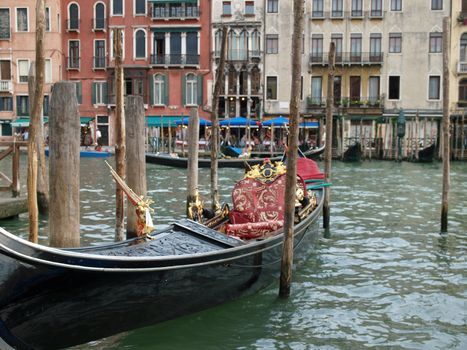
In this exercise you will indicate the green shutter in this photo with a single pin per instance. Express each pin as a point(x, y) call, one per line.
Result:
point(151, 89)
point(17, 106)
point(93, 93)
point(105, 93)
point(166, 90)
point(200, 90)
point(183, 89)
point(79, 92)
point(1, 104)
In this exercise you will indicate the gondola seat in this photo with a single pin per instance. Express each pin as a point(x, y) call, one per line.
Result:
point(258, 207)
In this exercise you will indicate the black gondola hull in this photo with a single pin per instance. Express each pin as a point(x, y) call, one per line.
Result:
point(48, 301)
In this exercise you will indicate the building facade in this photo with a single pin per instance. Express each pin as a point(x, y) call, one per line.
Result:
point(162, 57)
point(242, 93)
point(17, 53)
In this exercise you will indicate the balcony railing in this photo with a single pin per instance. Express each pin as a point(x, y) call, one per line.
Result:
point(98, 24)
point(174, 59)
point(6, 86)
point(98, 62)
point(72, 25)
point(350, 58)
point(73, 62)
point(347, 102)
point(240, 55)
point(172, 13)
point(353, 14)
point(462, 67)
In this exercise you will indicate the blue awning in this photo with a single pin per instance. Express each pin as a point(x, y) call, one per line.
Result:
point(309, 125)
point(279, 121)
point(185, 120)
point(24, 122)
point(239, 122)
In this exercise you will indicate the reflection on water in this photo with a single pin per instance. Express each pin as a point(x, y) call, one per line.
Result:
point(384, 279)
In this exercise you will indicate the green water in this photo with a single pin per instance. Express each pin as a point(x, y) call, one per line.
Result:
point(385, 279)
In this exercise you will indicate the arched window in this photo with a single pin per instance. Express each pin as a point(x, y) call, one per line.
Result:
point(463, 93)
point(243, 45)
point(463, 48)
point(99, 16)
point(191, 89)
point(232, 45)
point(218, 43)
point(255, 43)
point(159, 86)
point(73, 17)
point(140, 43)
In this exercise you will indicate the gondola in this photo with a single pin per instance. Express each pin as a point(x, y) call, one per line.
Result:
point(55, 298)
point(427, 154)
point(353, 153)
point(89, 153)
point(232, 162)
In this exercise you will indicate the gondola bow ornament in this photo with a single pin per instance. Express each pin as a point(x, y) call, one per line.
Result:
point(142, 205)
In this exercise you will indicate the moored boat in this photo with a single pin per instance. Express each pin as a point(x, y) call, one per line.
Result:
point(233, 162)
point(89, 153)
point(54, 298)
point(353, 153)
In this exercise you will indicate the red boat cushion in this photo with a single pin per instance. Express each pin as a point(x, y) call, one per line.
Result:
point(253, 229)
point(308, 169)
point(258, 207)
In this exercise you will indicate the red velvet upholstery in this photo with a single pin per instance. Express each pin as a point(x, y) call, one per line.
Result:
point(258, 207)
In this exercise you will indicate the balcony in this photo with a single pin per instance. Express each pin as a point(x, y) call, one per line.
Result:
point(72, 25)
point(166, 13)
point(98, 62)
point(462, 18)
point(73, 63)
point(99, 24)
point(352, 105)
point(240, 55)
point(354, 14)
point(347, 58)
point(6, 86)
point(174, 60)
point(462, 67)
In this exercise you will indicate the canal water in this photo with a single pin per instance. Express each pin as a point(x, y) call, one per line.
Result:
point(385, 278)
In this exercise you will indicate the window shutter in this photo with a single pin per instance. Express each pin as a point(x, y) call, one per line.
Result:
point(200, 90)
point(183, 90)
point(1, 104)
point(79, 92)
point(166, 90)
point(18, 104)
point(151, 89)
point(93, 93)
point(105, 93)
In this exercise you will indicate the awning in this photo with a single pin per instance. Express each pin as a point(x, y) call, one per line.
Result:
point(277, 122)
point(173, 1)
point(309, 125)
point(85, 120)
point(24, 122)
point(164, 121)
point(239, 122)
point(185, 120)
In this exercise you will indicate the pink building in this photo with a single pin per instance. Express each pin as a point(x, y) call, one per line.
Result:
point(17, 52)
point(163, 61)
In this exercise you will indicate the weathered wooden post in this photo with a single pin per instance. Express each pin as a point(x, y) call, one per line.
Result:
point(120, 149)
point(15, 184)
point(291, 175)
point(36, 111)
point(192, 177)
point(462, 135)
point(42, 179)
point(446, 158)
point(215, 123)
point(417, 125)
point(136, 164)
point(328, 149)
point(64, 141)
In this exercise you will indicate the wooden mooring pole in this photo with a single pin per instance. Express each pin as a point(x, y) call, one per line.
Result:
point(136, 164)
point(36, 111)
point(446, 143)
point(64, 141)
point(215, 124)
point(192, 176)
point(328, 149)
point(291, 175)
point(120, 149)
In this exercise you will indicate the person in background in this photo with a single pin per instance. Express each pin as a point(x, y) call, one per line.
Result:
point(98, 139)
